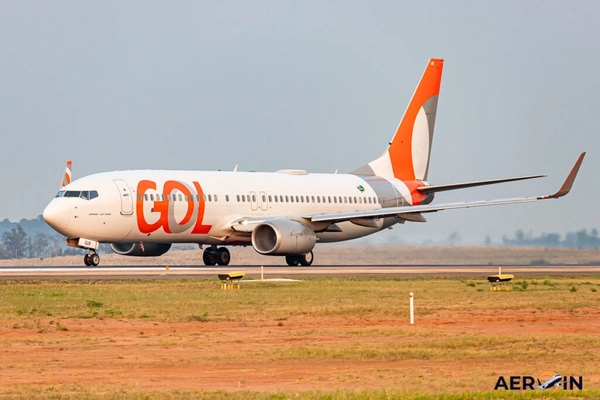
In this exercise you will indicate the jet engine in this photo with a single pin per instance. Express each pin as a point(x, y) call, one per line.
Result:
point(140, 249)
point(283, 237)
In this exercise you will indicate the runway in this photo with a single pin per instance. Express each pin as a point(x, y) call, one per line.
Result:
point(254, 271)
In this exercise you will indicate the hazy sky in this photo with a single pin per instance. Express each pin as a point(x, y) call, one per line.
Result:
point(305, 84)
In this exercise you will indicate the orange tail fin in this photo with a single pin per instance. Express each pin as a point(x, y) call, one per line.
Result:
point(407, 156)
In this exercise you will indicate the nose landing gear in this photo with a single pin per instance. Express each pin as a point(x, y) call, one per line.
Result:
point(91, 259)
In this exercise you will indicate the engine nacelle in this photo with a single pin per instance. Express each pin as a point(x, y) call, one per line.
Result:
point(283, 237)
point(140, 249)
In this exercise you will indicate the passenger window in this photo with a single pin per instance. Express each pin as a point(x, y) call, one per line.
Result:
point(270, 198)
point(227, 198)
point(329, 199)
point(264, 198)
point(345, 199)
point(281, 199)
point(297, 200)
point(312, 198)
point(216, 198)
point(302, 199)
point(334, 199)
point(253, 197)
point(318, 199)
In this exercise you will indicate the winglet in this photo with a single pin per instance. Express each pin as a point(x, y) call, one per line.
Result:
point(566, 187)
point(67, 177)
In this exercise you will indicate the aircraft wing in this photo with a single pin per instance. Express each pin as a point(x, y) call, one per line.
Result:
point(409, 213)
point(412, 213)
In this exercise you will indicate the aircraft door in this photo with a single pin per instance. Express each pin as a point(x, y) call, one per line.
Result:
point(254, 201)
point(264, 203)
point(125, 195)
point(400, 200)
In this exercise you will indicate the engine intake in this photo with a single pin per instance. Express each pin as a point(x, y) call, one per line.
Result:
point(140, 249)
point(283, 237)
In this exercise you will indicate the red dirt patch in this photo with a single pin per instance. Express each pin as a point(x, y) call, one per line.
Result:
point(254, 354)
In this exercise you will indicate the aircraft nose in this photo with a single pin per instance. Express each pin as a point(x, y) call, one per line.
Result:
point(57, 215)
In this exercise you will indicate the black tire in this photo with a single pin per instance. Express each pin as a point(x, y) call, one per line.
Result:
point(209, 258)
point(94, 259)
point(86, 260)
point(306, 260)
point(292, 261)
point(223, 256)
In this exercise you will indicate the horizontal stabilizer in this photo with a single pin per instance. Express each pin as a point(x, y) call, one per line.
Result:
point(464, 185)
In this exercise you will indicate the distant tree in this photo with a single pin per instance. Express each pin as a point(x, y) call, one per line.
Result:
point(38, 245)
point(519, 236)
point(15, 242)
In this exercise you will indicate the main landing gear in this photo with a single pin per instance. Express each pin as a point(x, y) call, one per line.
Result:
point(91, 259)
point(213, 255)
point(304, 259)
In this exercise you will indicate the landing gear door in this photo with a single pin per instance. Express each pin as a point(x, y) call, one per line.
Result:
point(126, 199)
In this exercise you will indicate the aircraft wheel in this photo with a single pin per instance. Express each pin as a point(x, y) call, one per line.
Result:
point(86, 260)
point(94, 259)
point(292, 261)
point(306, 259)
point(223, 256)
point(209, 257)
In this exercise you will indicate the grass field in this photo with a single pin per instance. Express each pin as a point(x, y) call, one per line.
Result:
point(346, 338)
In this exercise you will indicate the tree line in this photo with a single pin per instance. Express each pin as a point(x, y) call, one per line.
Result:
point(16, 243)
point(581, 239)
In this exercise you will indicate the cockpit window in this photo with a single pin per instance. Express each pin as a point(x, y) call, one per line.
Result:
point(84, 194)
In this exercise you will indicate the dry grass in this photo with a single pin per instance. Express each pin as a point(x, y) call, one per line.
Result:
point(188, 300)
point(327, 324)
point(347, 254)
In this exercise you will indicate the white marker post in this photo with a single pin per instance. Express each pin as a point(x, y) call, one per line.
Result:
point(262, 272)
point(412, 309)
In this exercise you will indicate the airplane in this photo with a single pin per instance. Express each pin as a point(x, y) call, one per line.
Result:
point(283, 213)
point(550, 382)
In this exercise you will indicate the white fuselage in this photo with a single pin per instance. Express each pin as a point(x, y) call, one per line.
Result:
point(201, 207)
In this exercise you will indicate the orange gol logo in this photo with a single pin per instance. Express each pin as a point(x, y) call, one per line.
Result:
point(166, 207)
